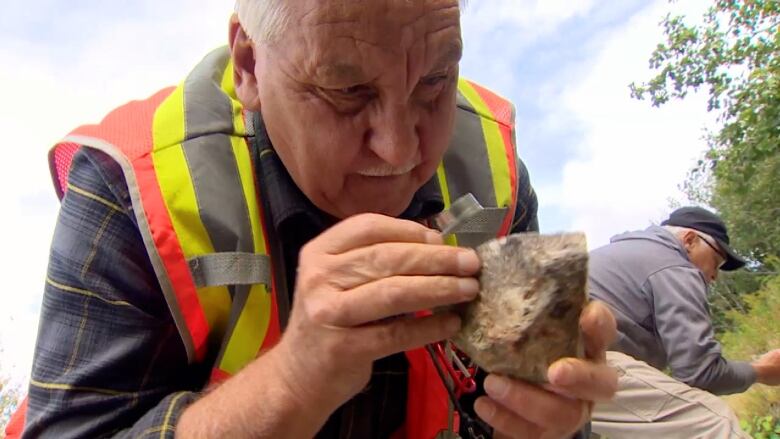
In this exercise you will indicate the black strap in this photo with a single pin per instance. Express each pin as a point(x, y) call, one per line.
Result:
point(260, 142)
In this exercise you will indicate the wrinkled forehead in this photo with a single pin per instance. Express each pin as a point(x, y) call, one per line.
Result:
point(392, 23)
point(397, 13)
point(340, 30)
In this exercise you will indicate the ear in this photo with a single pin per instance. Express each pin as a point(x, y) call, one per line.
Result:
point(689, 239)
point(243, 53)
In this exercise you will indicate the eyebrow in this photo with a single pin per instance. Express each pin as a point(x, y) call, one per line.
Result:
point(341, 72)
point(451, 55)
point(353, 73)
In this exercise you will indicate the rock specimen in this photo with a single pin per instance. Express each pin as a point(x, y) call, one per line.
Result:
point(527, 313)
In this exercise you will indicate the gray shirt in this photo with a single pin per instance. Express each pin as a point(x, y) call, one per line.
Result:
point(659, 299)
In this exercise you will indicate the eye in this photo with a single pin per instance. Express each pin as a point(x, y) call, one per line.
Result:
point(434, 80)
point(355, 91)
point(349, 99)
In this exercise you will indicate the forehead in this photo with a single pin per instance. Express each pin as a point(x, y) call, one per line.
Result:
point(342, 33)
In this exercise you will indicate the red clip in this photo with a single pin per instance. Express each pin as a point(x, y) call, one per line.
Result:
point(463, 379)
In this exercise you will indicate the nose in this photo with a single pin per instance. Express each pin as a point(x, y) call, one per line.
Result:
point(393, 135)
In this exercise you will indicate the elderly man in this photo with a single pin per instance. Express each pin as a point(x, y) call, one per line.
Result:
point(656, 283)
point(247, 254)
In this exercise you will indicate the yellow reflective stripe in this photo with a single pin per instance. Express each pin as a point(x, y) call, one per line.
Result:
point(178, 191)
point(228, 87)
point(249, 332)
point(445, 196)
point(496, 149)
point(168, 126)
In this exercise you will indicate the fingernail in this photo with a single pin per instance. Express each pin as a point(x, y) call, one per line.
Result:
point(496, 386)
point(468, 262)
point(468, 287)
point(485, 409)
point(560, 373)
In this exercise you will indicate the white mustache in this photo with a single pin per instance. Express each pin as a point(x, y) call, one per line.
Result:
point(386, 170)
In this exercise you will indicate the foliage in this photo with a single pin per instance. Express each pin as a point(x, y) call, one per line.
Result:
point(762, 427)
point(754, 333)
point(9, 398)
point(733, 53)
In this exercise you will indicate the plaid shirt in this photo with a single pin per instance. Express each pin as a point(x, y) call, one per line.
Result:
point(109, 361)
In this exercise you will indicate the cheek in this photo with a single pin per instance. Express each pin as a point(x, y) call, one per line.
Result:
point(315, 138)
point(436, 131)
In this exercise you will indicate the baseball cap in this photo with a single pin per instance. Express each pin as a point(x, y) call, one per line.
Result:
point(704, 221)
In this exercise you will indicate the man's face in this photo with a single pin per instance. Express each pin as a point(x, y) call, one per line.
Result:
point(704, 254)
point(358, 98)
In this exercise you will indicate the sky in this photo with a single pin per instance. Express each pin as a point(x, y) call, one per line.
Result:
point(600, 161)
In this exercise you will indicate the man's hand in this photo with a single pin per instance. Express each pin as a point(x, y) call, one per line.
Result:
point(517, 409)
point(357, 284)
point(768, 368)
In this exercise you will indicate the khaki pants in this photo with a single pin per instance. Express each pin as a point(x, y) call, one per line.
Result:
point(650, 404)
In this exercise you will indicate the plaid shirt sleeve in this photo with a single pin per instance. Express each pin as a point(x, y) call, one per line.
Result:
point(108, 360)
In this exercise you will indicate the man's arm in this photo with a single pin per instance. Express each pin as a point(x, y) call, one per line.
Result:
point(108, 359)
point(685, 328)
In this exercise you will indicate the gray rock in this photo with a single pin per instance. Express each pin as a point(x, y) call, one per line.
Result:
point(527, 313)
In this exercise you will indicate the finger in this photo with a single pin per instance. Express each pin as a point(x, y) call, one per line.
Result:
point(583, 379)
point(504, 421)
point(367, 264)
point(387, 338)
point(599, 329)
point(390, 297)
point(368, 229)
point(536, 405)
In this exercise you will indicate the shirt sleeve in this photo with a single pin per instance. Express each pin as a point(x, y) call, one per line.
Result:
point(685, 329)
point(526, 219)
point(108, 359)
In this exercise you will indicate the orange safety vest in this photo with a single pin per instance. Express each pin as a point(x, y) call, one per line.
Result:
point(185, 156)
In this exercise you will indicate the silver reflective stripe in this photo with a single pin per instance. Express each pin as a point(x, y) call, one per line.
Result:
point(146, 234)
point(208, 117)
point(220, 197)
point(466, 162)
point(230, 268)
point(467, 170)
point(217, 181)
point(207, 108)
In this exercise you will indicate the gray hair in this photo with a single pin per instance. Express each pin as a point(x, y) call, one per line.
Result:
point(264, 20)
point(678, 232)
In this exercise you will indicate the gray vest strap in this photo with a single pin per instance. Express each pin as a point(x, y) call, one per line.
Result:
point(230, 268)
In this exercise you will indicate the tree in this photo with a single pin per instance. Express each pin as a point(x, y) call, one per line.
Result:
point(733, 53)
point(9, 399)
